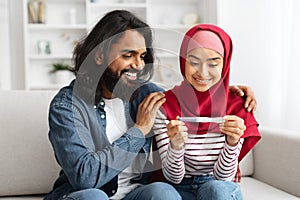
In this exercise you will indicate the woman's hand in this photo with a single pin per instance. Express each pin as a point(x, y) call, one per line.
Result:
point(177, 132)
point(147, 111)
point(241, 90)
point(233, 128)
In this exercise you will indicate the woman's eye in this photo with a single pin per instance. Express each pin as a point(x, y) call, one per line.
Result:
point(194, 63)
point(213, 64)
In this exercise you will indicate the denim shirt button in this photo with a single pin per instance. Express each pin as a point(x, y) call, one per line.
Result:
point(102, 116)
point(113, 191)
point(102, 103)
point(95, 106)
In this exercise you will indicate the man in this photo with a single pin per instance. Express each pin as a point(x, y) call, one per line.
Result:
point(100, 123)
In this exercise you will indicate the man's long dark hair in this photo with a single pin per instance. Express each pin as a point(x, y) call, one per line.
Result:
point(99, 41)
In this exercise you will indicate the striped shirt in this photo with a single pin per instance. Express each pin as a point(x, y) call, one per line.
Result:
point(201, 155)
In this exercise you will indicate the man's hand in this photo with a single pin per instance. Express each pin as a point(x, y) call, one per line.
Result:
point(241, 90)
point(147, 111)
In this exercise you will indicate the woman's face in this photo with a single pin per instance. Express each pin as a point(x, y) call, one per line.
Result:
point(203, 68)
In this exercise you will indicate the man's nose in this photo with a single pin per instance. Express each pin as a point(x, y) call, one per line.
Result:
point(138, 63)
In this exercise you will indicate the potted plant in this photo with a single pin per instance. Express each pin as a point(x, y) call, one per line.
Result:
point(62, 73)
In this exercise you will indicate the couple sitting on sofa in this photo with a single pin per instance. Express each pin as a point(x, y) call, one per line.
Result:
point(100, 125)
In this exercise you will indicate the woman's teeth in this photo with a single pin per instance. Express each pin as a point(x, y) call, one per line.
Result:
point(202, 81)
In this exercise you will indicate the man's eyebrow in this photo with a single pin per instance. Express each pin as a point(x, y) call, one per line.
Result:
point(131, 51)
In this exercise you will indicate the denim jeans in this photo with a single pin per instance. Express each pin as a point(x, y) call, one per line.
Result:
point(87, 194)
point(208, 188)
point(153, 191)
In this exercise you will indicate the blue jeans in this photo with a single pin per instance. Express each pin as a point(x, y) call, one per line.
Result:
point(208, 188)
point(153, 191)
point(87, 194)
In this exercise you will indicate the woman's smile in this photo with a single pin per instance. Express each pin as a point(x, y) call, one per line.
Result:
point(202, 82)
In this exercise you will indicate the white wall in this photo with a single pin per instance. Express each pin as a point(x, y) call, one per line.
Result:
point(16, 44)
point(290, 63)
point(256, 27)
point(260, 57)
point(12, 45)
point(5, 74)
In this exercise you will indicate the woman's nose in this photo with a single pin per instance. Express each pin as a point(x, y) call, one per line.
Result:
point(203, 70)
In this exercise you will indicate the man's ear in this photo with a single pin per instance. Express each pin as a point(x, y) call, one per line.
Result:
point(99, 58)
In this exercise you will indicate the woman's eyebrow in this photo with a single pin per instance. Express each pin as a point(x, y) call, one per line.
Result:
point(212, 59)
point(209, 59)
point(193, 56)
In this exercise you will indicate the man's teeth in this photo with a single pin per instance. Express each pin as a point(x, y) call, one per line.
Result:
point(130, 74)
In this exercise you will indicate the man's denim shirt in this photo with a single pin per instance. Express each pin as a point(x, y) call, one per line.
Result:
point(87, 158)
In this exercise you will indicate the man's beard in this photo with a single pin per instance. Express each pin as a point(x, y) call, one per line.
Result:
point(118, 87)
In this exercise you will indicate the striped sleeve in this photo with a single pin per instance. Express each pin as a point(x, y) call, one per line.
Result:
point(226, 166)
point(172, 160)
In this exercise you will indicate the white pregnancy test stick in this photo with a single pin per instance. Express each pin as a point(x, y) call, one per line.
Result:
point(203, 119)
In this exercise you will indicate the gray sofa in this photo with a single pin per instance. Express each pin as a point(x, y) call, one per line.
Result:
point(28, 168)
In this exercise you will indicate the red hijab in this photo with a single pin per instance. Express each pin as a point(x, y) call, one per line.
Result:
point(185, 101)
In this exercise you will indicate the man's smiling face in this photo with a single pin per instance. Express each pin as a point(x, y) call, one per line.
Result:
point(126, 60)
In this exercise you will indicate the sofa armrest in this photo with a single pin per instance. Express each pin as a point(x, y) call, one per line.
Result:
point(277, 159)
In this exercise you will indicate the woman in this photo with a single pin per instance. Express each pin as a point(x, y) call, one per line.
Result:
point(200, 159)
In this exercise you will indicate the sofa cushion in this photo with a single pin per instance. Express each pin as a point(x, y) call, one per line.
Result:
point(255, 189)
point(27, 164)
point(22, 198)
point(247, 165)
point(277, 159)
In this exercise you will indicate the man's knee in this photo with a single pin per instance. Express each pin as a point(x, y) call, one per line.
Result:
point(88, 194)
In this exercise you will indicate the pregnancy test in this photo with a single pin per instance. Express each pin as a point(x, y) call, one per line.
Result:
point(202, 119)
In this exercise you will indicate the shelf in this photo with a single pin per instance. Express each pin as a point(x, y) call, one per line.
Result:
point(68, 1)
point(56, 26)
point(63, 31)
point(171, 26)
point(118, 5)
point(46, 87)
point(185, 2)
point(50, 57)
